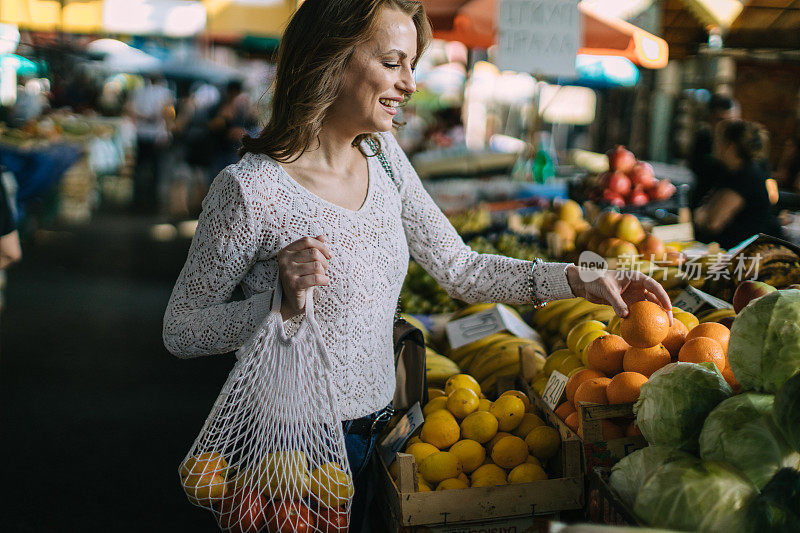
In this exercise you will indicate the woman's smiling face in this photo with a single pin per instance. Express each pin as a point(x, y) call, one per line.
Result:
point(378, 77)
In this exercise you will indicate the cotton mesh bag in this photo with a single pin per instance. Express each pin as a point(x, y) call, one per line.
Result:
point(271, 455)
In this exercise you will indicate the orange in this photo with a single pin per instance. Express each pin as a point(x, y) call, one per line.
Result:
point(592, 391)
point(579, 377)
point(645, 361)
point(572, 421)
point(647, 324)
point(633, 430)
point(564, 410)
point(731, 379)
point(712, 330)
point(624, 387)
point(605, 354)
point(702, 349)
point(675, 338)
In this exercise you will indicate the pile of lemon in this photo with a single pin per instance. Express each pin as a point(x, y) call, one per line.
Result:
point(470, 441)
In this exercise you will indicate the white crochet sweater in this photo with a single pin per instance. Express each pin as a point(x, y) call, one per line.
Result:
point(254, 209)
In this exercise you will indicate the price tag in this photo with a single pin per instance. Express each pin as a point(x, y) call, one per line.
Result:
point(479, 325)
point(692, 300)
point(554, 389)
point(396, 438)
point(674, 232)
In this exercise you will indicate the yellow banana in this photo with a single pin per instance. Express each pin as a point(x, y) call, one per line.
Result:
point(571, 317)
point(604, 314)
point(716, 315)
point(543, 315)
point(471, 310)
point(510, 370)
point(499, 357)
point(462, 351)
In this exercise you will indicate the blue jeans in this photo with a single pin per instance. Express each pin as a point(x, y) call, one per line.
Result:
point(360, 447)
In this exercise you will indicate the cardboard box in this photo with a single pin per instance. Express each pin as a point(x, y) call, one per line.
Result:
point(484, 508)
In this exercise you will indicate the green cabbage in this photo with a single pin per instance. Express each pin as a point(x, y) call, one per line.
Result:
point(741, 431)
point(775, 509)
point(632, 471)
point(693, 495)
point(764, 349)
point(787, 411)
point(675, 401)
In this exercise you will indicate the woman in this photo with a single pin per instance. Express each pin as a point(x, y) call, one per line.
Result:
point(740, 207)
point(310, 207)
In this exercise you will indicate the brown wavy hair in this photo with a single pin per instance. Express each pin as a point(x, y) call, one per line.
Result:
point(750, 139)
point(315, 50)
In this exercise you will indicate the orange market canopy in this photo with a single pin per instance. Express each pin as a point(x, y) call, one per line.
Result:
point(472, 23)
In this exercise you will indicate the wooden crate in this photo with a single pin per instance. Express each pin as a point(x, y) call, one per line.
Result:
point(600, 452)
point(604, 506)
point(476, 508)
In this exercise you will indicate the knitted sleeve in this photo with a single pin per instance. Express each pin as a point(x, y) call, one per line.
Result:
point(200, 318)
point(463, 273)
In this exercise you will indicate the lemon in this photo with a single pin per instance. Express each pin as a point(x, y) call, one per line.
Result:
point(508, 410)
point(581, 329)
point(480, 426)
point(526, 473)
point(435, 393)
point(569, 364)
point(205, 489)
point(331, 485)
point(521, 395)
point(495, 440)
point(533, 460)
point(205, 463)
point(539, 384)
point(554, 360)
point(413, 440)
point(284, 474)
point(461, 381)
point(422, 486)
point(434, 405)
point(529, 421)
point(440, 466)
point(688, 319)
point(509, 452)
point(470, 453)
point(576, 370)
point(441, 431)
point(484, 404)
point(421, 450)
point(462, 402)
point(543, 442)
point(488, 475)
point(463, 477)
point(584, 343)
point(452, 483)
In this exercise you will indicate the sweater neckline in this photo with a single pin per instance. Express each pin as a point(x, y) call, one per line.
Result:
point(308, 193)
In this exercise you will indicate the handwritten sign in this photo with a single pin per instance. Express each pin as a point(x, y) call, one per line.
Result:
point(479, 325)
point(554, 389)
point(538, 36)
point(674, 232)
point(396, 438)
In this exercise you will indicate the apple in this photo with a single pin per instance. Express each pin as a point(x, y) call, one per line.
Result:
point(637, 196)
point(623, 249)
point(613, 198)
point(727, 321)
point(605, 246)
point(748, 291)
point(289, 517)
point(619, 183)
point(652, 248)
point(332, 520)
point(620, 159)
point(662, 190)
point(629, 229)
point(642, 174)
point(243, 512)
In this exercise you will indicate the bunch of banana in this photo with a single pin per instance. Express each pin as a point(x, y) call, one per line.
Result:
point(780, 274)
point(715, 315)
point(581, 311)
point(502, 358)
point(439, 368)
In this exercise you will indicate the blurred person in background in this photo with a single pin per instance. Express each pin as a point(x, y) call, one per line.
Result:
point(311, 206)
point(230, 120)
point(10, 248)
point(738, 206)
point(706, 168)
point(152, 108)
point(788, 172)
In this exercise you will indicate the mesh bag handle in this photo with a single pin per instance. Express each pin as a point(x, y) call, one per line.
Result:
point(271, 453)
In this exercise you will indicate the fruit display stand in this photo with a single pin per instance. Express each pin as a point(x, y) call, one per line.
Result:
point(481, 508)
